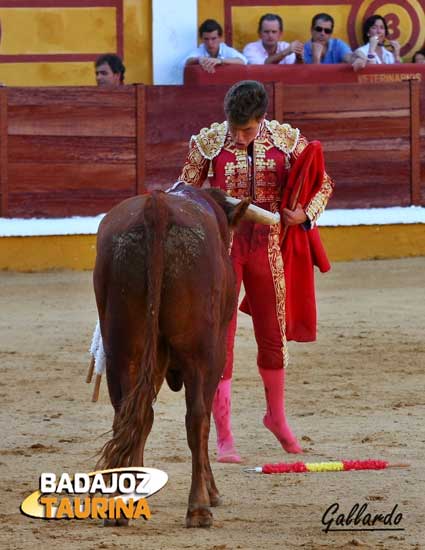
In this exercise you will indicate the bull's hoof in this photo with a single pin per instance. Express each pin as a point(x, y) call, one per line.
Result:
point(121, 522)
point(199, 517)
point(215, 500)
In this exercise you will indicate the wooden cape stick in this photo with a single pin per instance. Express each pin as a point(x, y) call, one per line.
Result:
point(96, 388)
point(90, 372)
point(97, 381)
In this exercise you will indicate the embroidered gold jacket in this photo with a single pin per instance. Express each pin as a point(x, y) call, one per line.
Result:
point(213, 154)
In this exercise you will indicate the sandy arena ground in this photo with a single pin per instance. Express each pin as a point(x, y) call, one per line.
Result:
point(357, 393)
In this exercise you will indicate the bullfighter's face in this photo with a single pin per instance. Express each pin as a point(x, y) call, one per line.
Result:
point(244, 134)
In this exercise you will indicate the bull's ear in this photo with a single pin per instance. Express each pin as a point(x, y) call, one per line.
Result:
point(238, 211)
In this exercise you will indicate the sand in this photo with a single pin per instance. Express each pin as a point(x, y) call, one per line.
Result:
point(357, 393)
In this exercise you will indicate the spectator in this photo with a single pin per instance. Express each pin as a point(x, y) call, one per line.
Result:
point(374, 51)
point(109, 70)
point(419, 56)
point(269, 48)
point(322, 48)
point(213, 51)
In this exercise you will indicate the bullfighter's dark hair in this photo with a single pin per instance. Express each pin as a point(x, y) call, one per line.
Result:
point(245, 100)
point(210, 25)
point(114, 61)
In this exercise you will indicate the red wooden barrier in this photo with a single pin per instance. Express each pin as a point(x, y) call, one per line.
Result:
point(79, 151)
point(306, 74)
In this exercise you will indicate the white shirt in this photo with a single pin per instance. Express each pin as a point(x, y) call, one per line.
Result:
point(224, 52)
point(387, 57)
point(257, 55)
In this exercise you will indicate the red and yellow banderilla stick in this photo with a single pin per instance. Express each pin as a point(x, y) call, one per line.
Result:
point(336, 466)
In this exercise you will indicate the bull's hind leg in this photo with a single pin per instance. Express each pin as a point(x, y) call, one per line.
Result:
point(210, 387)
point(197, 428)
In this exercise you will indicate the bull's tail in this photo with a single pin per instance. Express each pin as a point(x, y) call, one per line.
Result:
point(134, 422)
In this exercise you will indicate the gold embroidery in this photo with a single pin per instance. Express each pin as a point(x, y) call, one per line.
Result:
point(267, 188)
point(210, 141)
point(278, 275)
point(271, 165)
point(284, 137)
point(301, 145)
point(210, 170)
point(193, 172)
point(319, 201)
point(236, 173)
point(229, 169)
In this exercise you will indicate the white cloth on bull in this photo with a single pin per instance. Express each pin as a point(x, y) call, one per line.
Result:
point(97, 351)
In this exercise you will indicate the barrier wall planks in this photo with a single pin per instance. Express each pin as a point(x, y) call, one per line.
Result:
point(79, 151)
point(366, 137)
point(71, 151)
point(4, 188)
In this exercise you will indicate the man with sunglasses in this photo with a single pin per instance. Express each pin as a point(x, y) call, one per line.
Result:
point(322, 48)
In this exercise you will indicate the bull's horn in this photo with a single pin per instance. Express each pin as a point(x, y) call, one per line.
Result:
point(257, 214)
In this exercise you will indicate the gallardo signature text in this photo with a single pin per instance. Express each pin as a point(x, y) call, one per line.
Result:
point(359, 519)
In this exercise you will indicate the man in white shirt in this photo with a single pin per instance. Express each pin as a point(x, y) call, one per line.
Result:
point(269, 48)
point(213, 51)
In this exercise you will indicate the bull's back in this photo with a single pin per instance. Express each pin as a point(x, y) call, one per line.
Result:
point(193, 263)
point(121, 246)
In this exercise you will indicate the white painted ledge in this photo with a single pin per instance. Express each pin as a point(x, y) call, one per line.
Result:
point(16, 227)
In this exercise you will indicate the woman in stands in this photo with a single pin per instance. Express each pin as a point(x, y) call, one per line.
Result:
point(377, 50)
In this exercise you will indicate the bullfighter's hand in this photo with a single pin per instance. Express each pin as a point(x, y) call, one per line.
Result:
point(294, 217)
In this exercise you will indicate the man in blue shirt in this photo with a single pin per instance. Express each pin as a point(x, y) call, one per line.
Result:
point(322, 48)
point(213, 51)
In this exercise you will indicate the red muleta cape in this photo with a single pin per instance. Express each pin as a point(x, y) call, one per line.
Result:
point(301, 249)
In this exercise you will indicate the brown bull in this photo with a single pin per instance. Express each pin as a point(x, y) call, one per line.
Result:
point(165, 294)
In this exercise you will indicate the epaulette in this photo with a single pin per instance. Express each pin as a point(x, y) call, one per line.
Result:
point(284, 137)
point(210, 141)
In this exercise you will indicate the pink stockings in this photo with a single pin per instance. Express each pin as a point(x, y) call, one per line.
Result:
point(222, 409)
point(274, 419)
